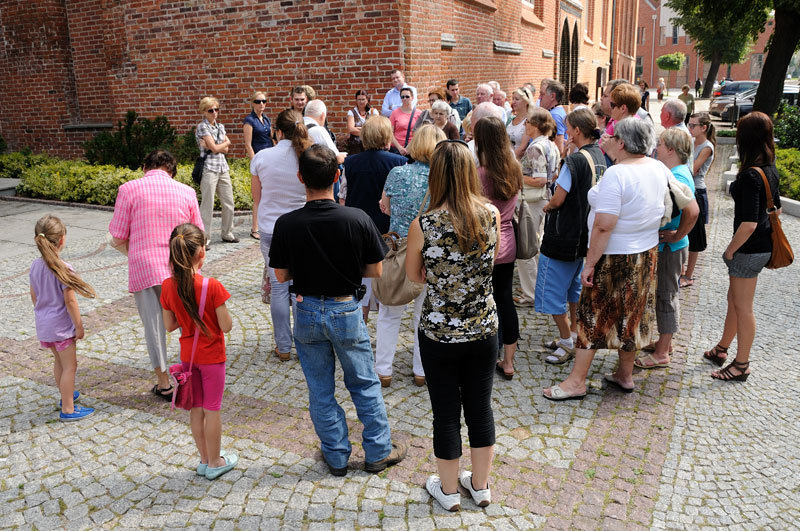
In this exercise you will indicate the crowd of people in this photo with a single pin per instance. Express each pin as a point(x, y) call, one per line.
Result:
point(617, 215)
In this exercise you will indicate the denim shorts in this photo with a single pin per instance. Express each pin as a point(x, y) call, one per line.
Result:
point(746, 265)
point(557, 282)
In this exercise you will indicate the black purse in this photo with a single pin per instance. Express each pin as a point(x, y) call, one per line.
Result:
point(197, 171)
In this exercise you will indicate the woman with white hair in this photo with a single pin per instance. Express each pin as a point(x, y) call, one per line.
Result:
point(440, 111)
point(616, 309)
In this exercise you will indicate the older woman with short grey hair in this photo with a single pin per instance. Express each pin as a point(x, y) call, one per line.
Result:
point(617, 305)
point(440, 110)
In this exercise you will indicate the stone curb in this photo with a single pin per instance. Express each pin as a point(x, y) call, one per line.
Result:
point(90, 206)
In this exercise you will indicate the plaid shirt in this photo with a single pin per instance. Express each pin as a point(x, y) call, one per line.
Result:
point(214, 161)
point(146, 211)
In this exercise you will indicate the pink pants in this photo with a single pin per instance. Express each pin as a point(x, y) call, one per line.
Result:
point(208, 384)
point(59, 345)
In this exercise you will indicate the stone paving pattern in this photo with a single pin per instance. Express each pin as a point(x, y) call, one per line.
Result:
point(682, 451)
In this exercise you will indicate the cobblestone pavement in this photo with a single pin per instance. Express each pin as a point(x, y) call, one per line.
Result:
point(682, 451)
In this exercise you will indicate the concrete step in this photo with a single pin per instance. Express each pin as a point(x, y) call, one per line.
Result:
point(8, 186)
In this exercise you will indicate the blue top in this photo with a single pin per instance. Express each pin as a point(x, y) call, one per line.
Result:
point(366, 174)
point(682, 174)
point(564, 178)
point(262, 132)
point(406, 187)
point(560, 116)
point(463, 106)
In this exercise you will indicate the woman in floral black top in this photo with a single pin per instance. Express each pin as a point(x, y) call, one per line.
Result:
point(451, 248)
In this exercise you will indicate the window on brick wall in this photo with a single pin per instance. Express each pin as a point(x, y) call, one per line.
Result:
point(528, 3)
point(674, 34)
point(639, 66)
point(589, 27)
point(688, 40)
point(640, 35)
point(756, 65)
point(662, 35)
point(605, 20)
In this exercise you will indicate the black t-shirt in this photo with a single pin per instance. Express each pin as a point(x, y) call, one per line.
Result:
point(750, 200)
point(325, 246)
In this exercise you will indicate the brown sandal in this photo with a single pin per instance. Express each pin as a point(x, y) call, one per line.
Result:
point(714, 357)
point(727, 376)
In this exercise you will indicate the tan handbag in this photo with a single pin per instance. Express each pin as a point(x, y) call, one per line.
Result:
point(782, 254)
point(393, 287)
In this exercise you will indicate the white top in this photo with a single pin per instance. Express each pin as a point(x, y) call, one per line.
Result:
point(515, 133)
point(634, 193)
point(319, 135)
point(281, 190)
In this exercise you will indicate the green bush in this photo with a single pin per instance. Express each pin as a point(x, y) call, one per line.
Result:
point(788, 163)
point(185, 147)
point(787, 126)
point(727, 133)
point(80, 182)
point(671, 61)
point(3, 145)
point(13, 164)
point(134, 138)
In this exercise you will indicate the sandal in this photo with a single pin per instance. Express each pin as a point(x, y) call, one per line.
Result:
point(714, 356)
point(727, 376)
point(559, 358)
point(648, 361)
point(502, 371)
point(164, 394)
point(255, 235)
point(685, 281)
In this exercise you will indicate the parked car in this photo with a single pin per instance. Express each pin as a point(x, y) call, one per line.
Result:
point(717, 104)
point(791, 94)
point(730, 89)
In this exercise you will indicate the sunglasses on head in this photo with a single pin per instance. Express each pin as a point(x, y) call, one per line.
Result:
point(451, 141)
point(259, 101)
point(213, 110)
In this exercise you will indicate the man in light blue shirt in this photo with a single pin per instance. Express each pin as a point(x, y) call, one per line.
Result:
point(392, 99)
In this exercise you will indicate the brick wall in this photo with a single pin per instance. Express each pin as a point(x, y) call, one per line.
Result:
point(86, 62)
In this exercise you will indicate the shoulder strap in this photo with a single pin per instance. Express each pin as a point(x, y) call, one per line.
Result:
point(309, 126)
point(590, 160)
point(410, 125)
point(770, 203)
point(424, 200)
point(203, 294)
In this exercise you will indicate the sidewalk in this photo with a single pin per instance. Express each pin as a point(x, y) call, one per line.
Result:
point(682, 451)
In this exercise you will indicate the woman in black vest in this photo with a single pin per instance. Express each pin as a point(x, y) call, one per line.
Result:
point(563, 248)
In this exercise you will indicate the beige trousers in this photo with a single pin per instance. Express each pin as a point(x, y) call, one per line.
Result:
point(219, 182)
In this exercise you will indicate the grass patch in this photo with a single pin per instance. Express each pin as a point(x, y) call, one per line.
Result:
point(590, 473)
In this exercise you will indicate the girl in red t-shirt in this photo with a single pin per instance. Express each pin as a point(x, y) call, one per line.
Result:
point(180, 295)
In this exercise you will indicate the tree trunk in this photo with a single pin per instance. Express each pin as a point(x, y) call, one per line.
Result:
point(713, 68)
point(784, 42)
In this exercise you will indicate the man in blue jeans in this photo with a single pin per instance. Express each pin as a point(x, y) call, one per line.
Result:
point(326, 248)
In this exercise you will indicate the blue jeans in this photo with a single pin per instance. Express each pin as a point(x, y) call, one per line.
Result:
point(325, 329)
point(280, 301)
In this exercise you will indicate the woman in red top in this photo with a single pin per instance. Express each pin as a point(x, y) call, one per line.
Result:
point(180, 296)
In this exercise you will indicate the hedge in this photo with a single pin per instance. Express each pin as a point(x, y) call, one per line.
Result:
point(788, 163)
point(13, 164)
point(81, 182)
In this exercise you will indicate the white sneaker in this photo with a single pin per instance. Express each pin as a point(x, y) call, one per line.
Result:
point(450, 502)
point(481, 497)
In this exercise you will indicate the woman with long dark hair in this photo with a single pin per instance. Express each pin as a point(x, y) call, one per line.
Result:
point(501, 181)
point(355, 121)
point(751, 246)
point(451, 248)
point(277, 190)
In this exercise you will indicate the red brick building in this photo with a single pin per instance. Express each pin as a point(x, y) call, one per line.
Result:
point(654, 19)
point(70, 68)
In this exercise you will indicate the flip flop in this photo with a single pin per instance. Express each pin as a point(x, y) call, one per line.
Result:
point(685, 281)
point(609, 378)
point(506, 375)
point(559, 395)
point(164, 394)
point(255, 235)
point(654, 364)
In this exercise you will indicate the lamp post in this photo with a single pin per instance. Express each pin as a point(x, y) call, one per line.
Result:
point(653, 52)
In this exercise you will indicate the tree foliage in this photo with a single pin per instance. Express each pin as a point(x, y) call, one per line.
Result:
point(671, 61)
point(782, 46)
point(722, 34)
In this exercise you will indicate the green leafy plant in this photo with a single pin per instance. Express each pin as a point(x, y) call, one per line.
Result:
point(788, 163)
point(133, 139)
point(671, 61)
point(3, 145)
point(13, 164)
point(726, 133)
point(185, 147)
point(787, 126)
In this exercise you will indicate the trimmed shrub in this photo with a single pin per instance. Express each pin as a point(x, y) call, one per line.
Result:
point(726, 133)
point(3, 145)
point(13, 164)
point(80, 182)
point(788, 163)
point(787, 126)
point(134, 138)
point(185, 147)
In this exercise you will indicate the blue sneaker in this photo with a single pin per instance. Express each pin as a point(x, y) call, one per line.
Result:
point(75, 397)
point(78, 414)
point(202, 467)
point(230, 462)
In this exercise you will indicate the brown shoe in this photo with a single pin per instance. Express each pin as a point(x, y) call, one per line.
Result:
point(283, 356)
point(419, 381)
point(399, 451)
point(386, 381)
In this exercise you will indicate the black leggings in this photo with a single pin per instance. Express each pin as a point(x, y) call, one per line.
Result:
point(502, 282)
point(460, 374)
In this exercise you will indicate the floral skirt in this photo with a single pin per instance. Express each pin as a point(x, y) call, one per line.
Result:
point(618, 312)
